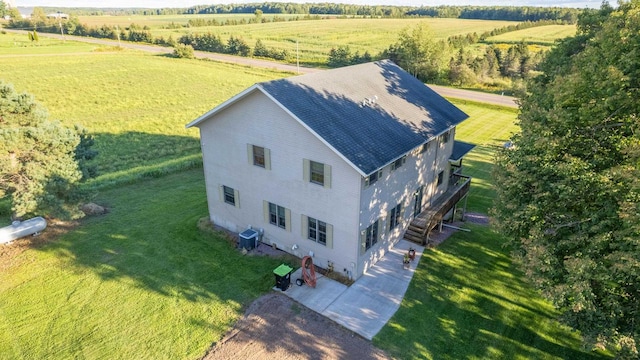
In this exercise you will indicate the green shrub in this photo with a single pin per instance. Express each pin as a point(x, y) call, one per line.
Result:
point(183, 51)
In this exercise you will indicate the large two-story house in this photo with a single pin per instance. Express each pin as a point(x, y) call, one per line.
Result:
point(335, 164)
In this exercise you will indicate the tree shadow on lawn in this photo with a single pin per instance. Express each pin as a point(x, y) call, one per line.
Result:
point(150, 237)
point(467, 301)
point(134, 149)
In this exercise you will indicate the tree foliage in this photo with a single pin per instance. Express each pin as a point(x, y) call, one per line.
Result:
point(419, 53)
point(569, 191)
point(41, 161)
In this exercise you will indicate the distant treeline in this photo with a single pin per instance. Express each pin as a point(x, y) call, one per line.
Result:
point(511, 13)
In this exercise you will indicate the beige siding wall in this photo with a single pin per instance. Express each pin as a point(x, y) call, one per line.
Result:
point(399, 186)
point(257, 120)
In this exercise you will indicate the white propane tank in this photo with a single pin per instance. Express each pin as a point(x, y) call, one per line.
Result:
point(20, 229)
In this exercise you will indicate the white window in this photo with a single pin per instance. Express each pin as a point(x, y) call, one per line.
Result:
point(259, 156)
point(425, 148)
point(317, 173)
point(317, 231)
point(440, 178)
point(229, 195)
point(277, 215)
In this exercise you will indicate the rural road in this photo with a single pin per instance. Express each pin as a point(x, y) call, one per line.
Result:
point(476, 96)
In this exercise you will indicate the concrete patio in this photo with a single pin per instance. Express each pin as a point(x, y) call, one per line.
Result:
point(367, 305)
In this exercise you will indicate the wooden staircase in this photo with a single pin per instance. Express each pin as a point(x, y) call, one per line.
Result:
point(420, 227)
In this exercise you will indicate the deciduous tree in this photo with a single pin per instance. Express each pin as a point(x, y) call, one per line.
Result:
point(569, 191)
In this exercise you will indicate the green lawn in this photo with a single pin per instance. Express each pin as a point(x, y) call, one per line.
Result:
point(143, 282)
point(138, 283)
point(136, 104)
point(19, 44)
point(467, 301)
point(488, 127)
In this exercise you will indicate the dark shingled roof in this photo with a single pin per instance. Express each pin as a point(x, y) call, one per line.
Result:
point(371, 113)
point(460, 149)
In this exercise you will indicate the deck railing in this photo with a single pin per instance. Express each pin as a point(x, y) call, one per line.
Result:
point(422, 224)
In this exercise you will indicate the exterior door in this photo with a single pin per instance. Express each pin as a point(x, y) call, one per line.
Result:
point(417, 201)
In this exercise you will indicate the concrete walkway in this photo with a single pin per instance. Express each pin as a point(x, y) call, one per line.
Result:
point(367, 305)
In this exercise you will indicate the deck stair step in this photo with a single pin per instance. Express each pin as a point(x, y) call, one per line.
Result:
point(420, 227)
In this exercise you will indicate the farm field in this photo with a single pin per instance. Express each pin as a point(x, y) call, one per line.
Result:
point(135, 104)
point(314, 38)
point(162, 21)
point(144, 282)
point(543, 35)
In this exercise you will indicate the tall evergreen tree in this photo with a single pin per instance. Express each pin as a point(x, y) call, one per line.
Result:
point(41, 161)
point(569, 191)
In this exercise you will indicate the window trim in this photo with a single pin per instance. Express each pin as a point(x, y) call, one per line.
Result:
point(398, 163)
point(445, 137)
point(252, 156)
point(316, 176)
point(258, 159)
point(371, 235)
point(281, 218)
point(307, 173)
point(317, 230)
point(306, 227)
point(440, 179)
point(367, 180)
point(395, 216)
point(229, 195)
point(233, 192)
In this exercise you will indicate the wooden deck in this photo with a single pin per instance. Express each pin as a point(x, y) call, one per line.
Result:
point(420, 227)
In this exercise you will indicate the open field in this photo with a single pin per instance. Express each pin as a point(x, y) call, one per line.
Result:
point(138, 116)
point(162, 21)
point(18, 45)
point(144, 282)
point(543, 35)
point(310, 39)
point(135, 104)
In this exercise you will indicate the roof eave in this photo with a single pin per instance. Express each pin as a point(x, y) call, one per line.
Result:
point(356, 168)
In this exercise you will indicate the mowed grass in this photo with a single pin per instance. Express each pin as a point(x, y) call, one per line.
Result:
point(545, 35)
point(468, 301)
point(488, 127)
point(135, 104)
point(12, 44)
point(141, 282)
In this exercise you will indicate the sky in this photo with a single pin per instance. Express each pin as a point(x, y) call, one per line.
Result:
point(188, 3)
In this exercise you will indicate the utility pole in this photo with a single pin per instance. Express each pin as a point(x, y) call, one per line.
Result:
point(60, 23)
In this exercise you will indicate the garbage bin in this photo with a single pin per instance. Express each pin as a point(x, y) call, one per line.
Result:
point(248, 239)
point(283, 276)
